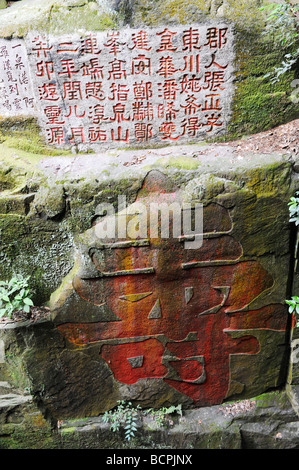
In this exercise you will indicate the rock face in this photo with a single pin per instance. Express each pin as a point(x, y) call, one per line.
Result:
point(155, 320)
point(188, 308)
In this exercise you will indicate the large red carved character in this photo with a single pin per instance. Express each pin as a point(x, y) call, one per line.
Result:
point(173, 309)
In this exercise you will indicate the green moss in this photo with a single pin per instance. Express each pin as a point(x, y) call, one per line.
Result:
point(258, 103)
point(35, 248)
point(88, 17)
point(179, 163)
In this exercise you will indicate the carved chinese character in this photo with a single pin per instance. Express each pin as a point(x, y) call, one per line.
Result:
point(77, 135)
point(41, 46)
point(119, 92)
point(142, 110)
point(119, 113)
point(167, 129)
point(191, 106)
point(166, 41)
point(117, 71)
point(140, 41)
point(166, 67)
point(214, 80)
point(48, 92)
point(72, 90)
point(142, 91)
point(44, 69)
point(68, 68)
point(113, 43)
point(141, 65)
point(95, 134)
point(143, 131)
point(53, 114)
point(97, 114)
point(216, 38)
point(94, 90)
point(93, 68)
point(168, 89)
point(212, 121)
point(191, 126)
point(120, 136)
point(191, 39)
point(89, 45)
point(190, 84)
point(56, 135)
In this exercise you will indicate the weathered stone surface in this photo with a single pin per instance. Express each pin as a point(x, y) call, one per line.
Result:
point(237, 97)
point(15, 86)
point(265, 422)
point(162, 308)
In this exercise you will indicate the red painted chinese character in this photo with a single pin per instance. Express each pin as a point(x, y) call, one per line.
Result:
point(119, 137)
point(48, 92)
point(216, 37)
point(142, 91)
point(66, 48)
point(190, 84)
point(191, 64)
point(93, 68)
point(212, 121)
point(142, 111)
point(77, 135)
point(212, 103)
point(167, 129)
point(113, 42)
point(166, 41)
point(89, 45)
point(119, 92)
point(55, 135)
point(214, 80)
point(74, 111)
point(169, 89)
point(68, 68)
point(119, 113)
point(141, 65)
point(191, 126)
point(190, 40)
point(53, 114)
point(44, 68)
point(140, 41)
point(95, 134)
point(213, 62)
point(94, 90)
point(191, 106)
point(166, 67)
point(72, 90)
point(117, 71)
point(143, 132)
point(97, 114)
point(41, 46)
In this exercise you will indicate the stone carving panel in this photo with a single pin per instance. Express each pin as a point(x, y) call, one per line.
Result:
point(133, 87)
point(16, 95)
point(176, 314)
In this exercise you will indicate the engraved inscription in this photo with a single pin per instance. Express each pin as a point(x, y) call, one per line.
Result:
point(117, 88)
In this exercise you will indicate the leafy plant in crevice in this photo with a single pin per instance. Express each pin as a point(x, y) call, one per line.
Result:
point(15, 296)
point(160, 416)
point(282, 24)
point(125, 416)
point(294, 208)
point(293, 303)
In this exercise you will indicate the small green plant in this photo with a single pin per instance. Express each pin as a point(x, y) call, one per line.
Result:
point(15, 296)
point(282, 23)
point(125, 416)
point(293, 306)
point(294, 208)
point(160, 415)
